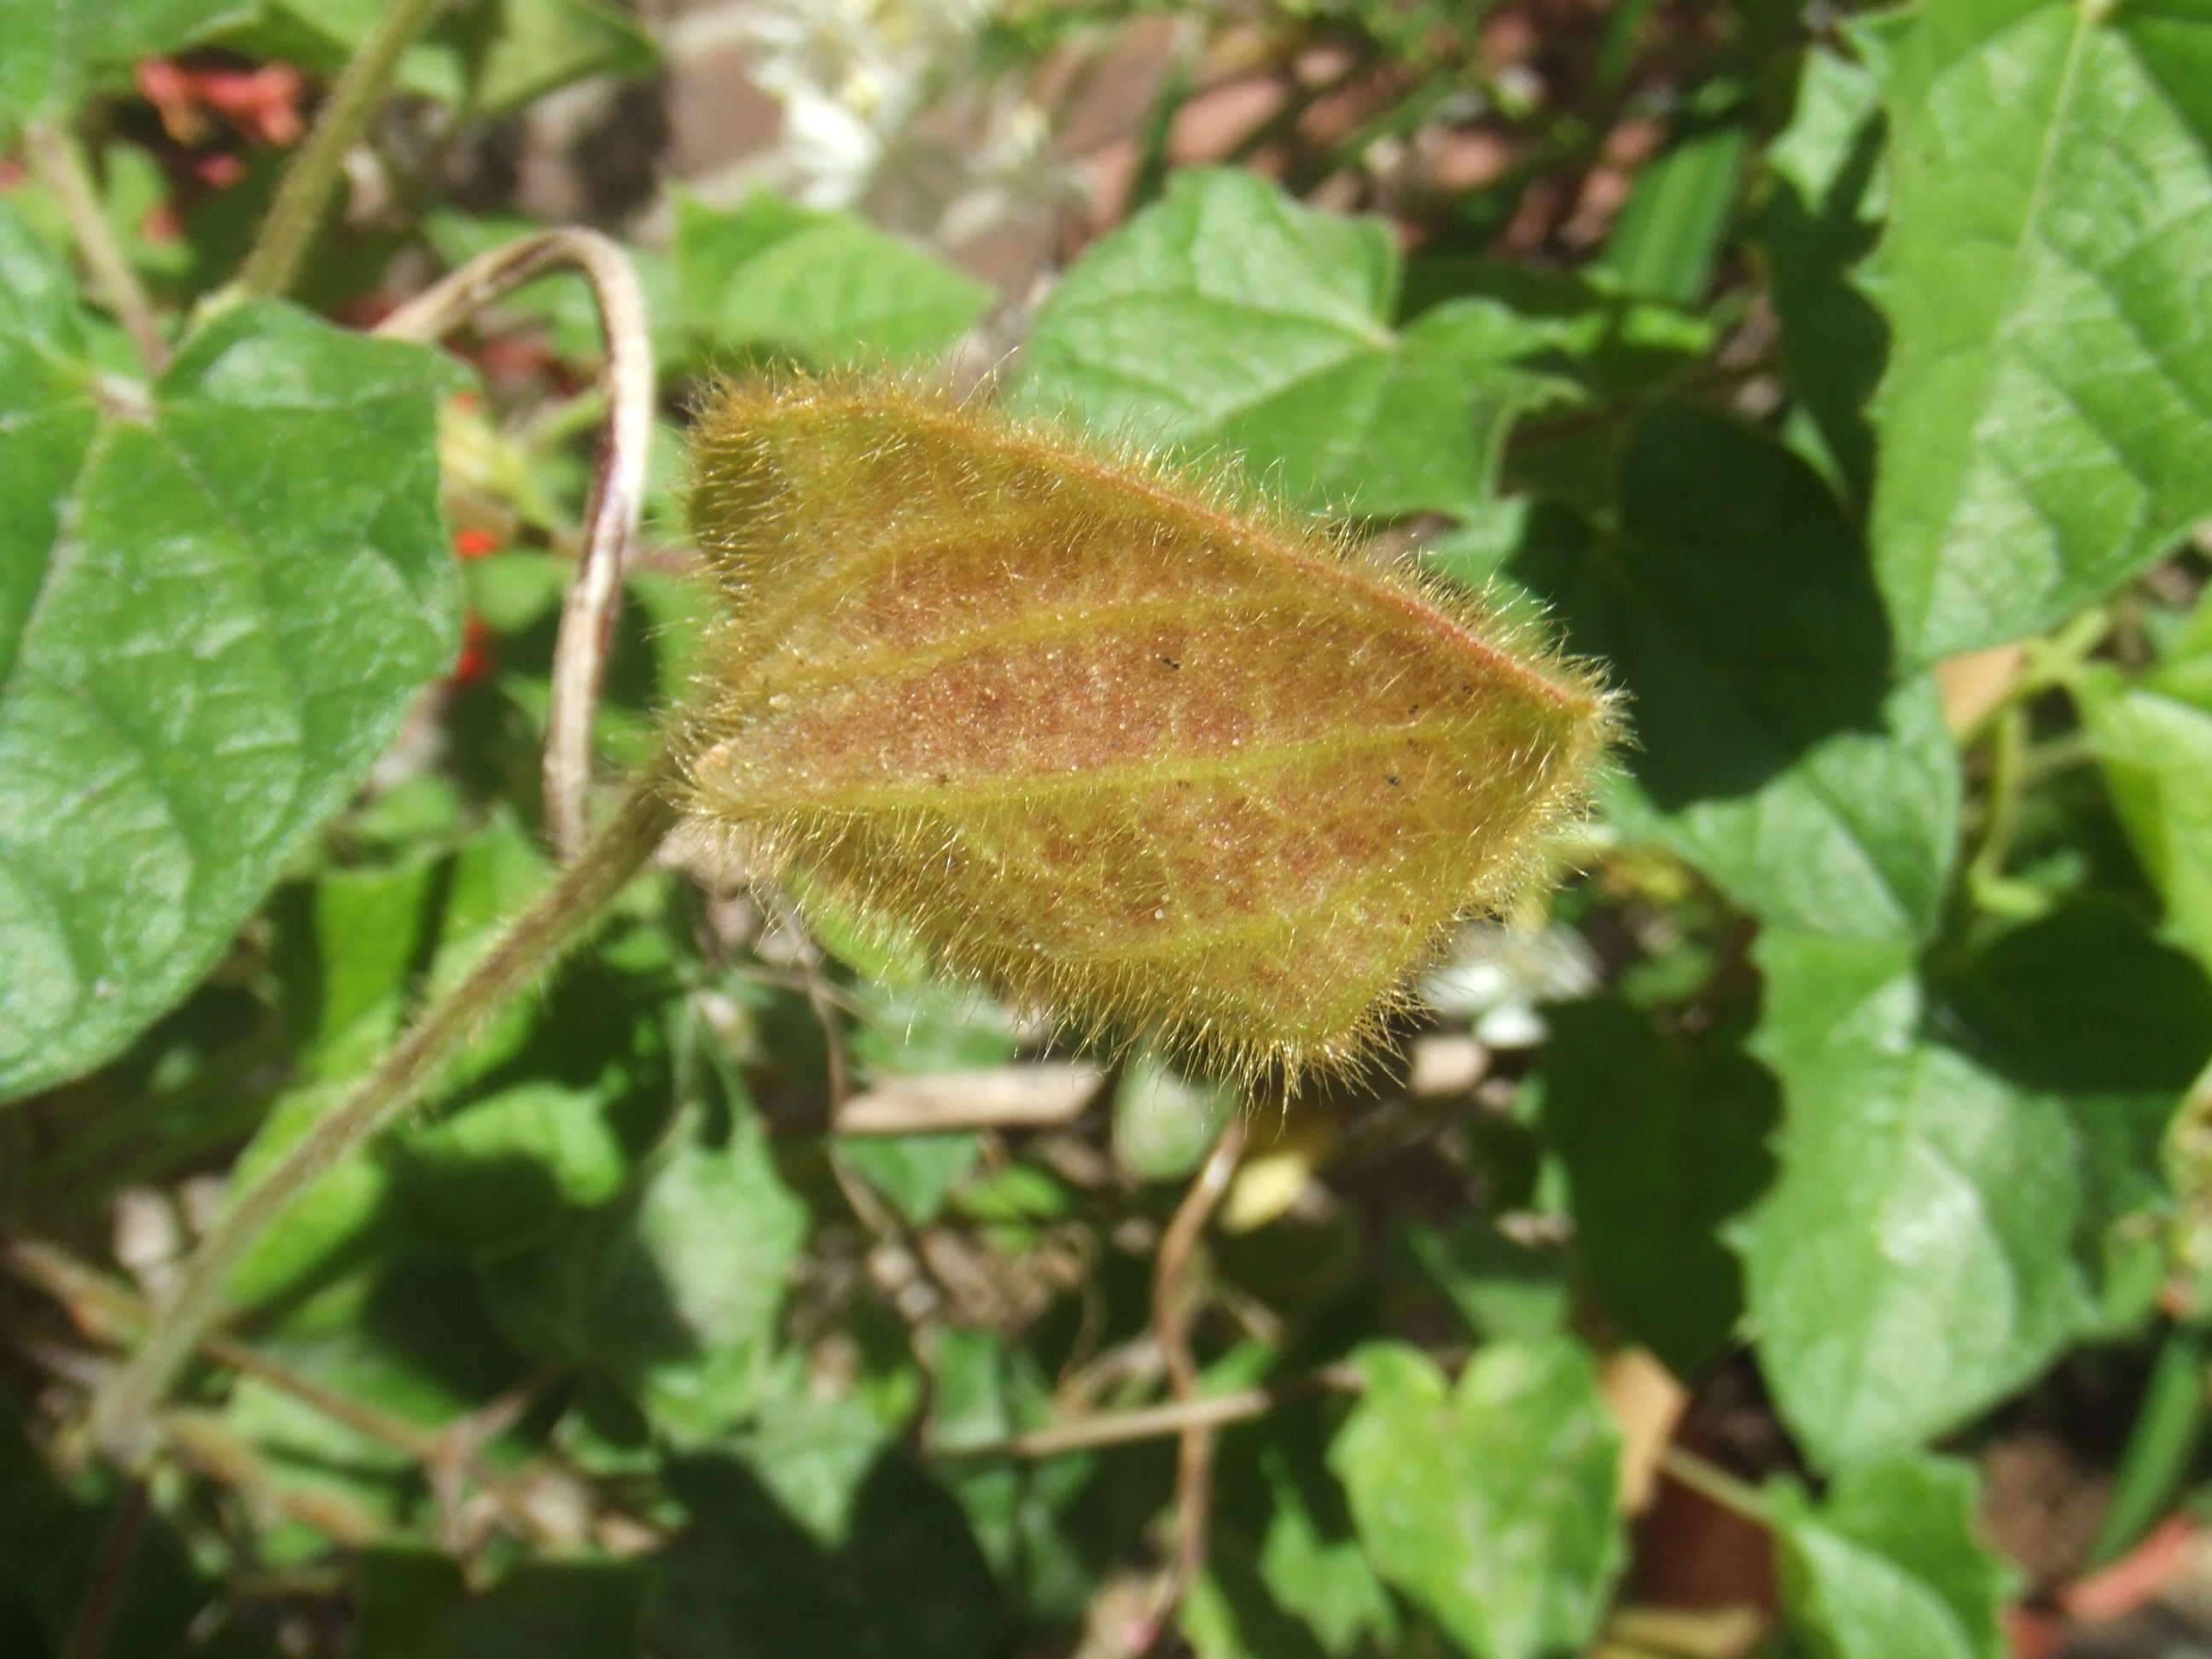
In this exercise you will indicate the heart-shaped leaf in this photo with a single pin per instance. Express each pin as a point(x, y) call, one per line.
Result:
point(217, 597)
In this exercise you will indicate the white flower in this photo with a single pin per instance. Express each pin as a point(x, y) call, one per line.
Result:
point(1497, 976)
point(886, 112)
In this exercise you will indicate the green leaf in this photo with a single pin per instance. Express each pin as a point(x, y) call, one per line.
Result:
point(1499, 1286)
point(1489, 1503)
point(985, 1388)
point(410, 1337)
point(487, 58)
point(2154, 741)
point(52, 52)
point(1817, 223)
point(912, 1027)
point(676, 1291)
point(1618, 344)
point(1661, 1144)
point(917, 1173)
point(1286, 1577)
point(548, 1110)
point(772, 277)
point(1229, 317)
point(1670, 232)
point(2043, 422)
point(813, 1456)
point(1913, 1264)
point(1165, 1122)
point(1733, 604)
point(358, 947)
point(214, 607)
point(1889, 1563)
point(2084, 1005)
point(521, 50)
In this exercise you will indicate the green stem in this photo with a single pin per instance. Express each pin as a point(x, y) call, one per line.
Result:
point(1716, 1485)
point(2007, 753)
point(303, 198)
point(60, 159)
point(122, 1416)
point(1987, 885)
point(2168, 1428)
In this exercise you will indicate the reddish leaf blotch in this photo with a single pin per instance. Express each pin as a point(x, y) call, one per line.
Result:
point(1111, 740)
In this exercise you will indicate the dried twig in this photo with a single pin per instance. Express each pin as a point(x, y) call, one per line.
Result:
point(1040, 1096)
point(1171, 1325)
point(1176, 1417)
point(106, 1309)
point(617, 494)
point(205, 1443)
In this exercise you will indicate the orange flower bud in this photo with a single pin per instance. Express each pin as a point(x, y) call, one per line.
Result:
point(1110, 740)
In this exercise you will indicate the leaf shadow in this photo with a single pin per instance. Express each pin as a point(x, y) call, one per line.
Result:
point(1730, 599)
point(745, 1580)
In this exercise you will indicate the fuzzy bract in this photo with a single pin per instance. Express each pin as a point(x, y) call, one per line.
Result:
point(1109, 740)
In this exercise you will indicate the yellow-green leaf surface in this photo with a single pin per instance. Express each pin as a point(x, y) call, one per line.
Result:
point(2048, 407)
point(218, 594)
point(1101, 739)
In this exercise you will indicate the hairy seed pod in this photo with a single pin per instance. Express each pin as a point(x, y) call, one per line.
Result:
point(1111, 740)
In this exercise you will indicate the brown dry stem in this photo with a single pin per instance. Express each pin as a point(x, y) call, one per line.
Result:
point(616, 500)
point(1171, 1316)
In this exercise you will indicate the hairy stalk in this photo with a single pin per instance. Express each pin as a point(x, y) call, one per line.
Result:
point(123, 1412)
point(303, 199)
point(60, 162)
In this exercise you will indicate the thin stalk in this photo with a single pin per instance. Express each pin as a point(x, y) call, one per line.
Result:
point(1986, 875)
point(1171, 1315)
point(60, 162)
point(122, 1415)
point(1172, 1419)
point(93, 1301)
point(1716, 1485)
point(279, 252)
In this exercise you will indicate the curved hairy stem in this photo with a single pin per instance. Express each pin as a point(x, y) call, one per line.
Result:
point(60, 159)
point(617, 496)
point(123, 1412)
